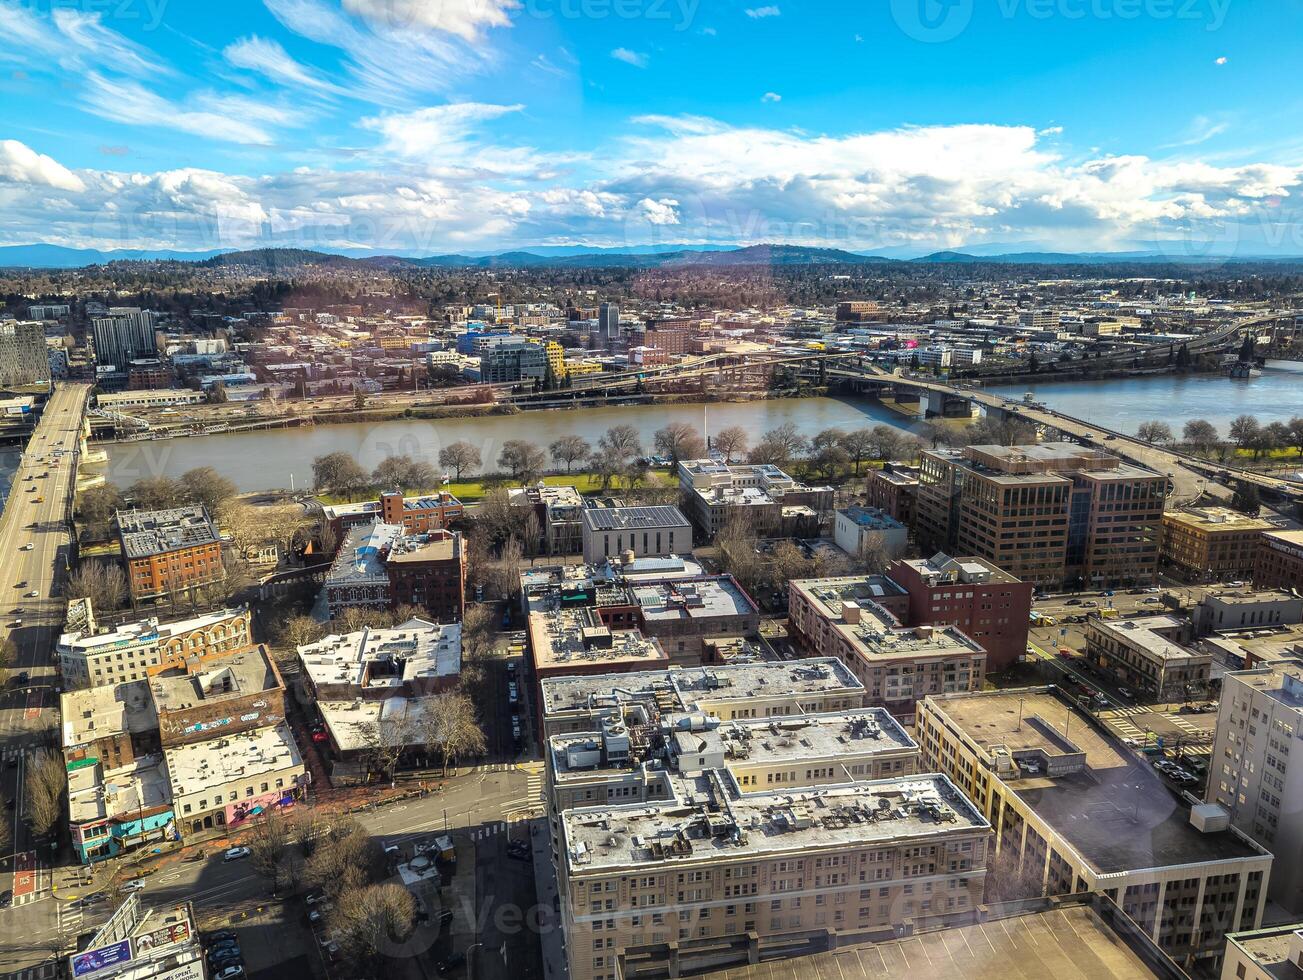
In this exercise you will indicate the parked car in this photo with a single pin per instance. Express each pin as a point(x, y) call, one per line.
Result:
point(219, 935)
point(231, 943)
point(224, 957)
point(6, 899)
point(236, 853)
point(232, 972)
point(314, 898)
point(520, 850)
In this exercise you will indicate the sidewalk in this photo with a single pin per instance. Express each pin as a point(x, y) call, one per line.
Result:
point(551, 936)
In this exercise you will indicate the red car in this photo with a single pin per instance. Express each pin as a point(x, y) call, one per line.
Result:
point(320, 736)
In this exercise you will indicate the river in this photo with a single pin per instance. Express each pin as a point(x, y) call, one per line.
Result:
point(267, 459)
point(273, 458)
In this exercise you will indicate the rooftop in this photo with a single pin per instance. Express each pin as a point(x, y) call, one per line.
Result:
point(94, 794)
point(1071, 938)
point(416, 548)
point(871, 517)
point(626, 518)
point(365, 508)
point(707, 823)
point(361, 557)
point(1216, 519)
point(574, 637)
point(200, 766)
point(941, 569)
point(1282, 682)
point(1271, 950)
point(1041, 458)
point(696, 599)
point(1109, 807)
point(693, 688)
point(1148, 635)
point(901, 476)
point(111, 709)
point(230, 675)
point(156, 532)
point(144, 631)
point(363, 723)
point(384, 658)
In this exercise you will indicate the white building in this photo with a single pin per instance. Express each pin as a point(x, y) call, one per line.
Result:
point(868, 530)
point(659, 531)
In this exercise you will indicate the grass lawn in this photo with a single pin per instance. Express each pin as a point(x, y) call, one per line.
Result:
point(469, 491)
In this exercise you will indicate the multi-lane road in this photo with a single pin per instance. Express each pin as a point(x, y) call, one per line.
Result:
point(34, 544)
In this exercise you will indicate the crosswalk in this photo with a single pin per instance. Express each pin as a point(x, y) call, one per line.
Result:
point(534, 784)
point(70, 917)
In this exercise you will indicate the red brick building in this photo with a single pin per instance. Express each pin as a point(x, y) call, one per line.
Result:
point(415, 515)
point(1279, 563)
point(893, 489)
point(167, 552)
point(430, 573)
point(989, 605)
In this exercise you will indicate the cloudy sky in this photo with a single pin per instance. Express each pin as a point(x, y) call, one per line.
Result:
point(430, 126)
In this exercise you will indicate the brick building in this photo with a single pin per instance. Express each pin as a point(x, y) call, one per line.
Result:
point(894, 489)
point(167, 552)
point(1279, 564)
point(415, 515)
point(1211, 544)
point(218, 695)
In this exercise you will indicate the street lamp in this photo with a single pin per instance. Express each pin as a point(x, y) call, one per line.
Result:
point(470, 962)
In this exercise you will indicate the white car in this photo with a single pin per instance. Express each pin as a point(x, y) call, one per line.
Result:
point(32, 595)
point(134, 885)
point(236, 853)
point(28, 546)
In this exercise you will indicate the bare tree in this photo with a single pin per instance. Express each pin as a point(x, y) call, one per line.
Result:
point(156, 493)
point(365, 921)
point(621, 443)
point(452, 728)
point(459, 457)
point(780, 446)
point(679, 441)
point(499, 517)
point(731, 442)
point(1152, 432)
point(97, 505)
point(204, 485)
point(404, 473)
point(339, 473)
point(504, 574)
point(104, 584)
point(569, 450)
point(522, 459)
point(1200, 434)
point(342, 858)
point(268, 843)
point(859, 445)
point(45, 785)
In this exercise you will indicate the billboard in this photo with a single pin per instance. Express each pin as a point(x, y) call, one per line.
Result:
point(94, 960)
point(168, 935)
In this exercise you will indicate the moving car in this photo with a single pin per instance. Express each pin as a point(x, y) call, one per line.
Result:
point(236, 853)
point(134, 886)
point(32, 595)
point(28, 546)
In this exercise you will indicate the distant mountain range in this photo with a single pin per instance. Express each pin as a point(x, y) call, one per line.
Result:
point(45, 256)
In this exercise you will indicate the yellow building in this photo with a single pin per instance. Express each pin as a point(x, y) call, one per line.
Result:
point(556, 359)
point(577, 369)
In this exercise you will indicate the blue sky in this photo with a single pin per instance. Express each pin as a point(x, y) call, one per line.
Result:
point(426, 126)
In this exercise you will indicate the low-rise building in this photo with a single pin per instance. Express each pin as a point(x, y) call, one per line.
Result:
point(1212, 544)
point(218, 695)
point(576, 641)
point(769, 689)
point(985, 602)
point(611, 532)
point(90, 655)
point(1146, 654)
point(864, 531)
point(415, 515)
point(1237, 610)
point(1279, 563)
point(1074, 810)
point(415, 659)
point(382, 566)
point(899, 666)
point(560, 512)
point(168, 552)
point(222, 782)
point(717, 493)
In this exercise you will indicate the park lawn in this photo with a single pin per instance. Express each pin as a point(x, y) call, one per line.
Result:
point(470, 491)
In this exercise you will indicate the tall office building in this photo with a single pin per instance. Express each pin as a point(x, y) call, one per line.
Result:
point(126, 334)
point(608, 322)
point(1046, 514)
point(23, 357)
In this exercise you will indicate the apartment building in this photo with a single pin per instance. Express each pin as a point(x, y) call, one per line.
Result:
point(1047, 514)
point(984, 602)
point(24, 359)
point(168, 552)
point(1074, 810)
point(414, 659)
point(716, 493)
point(1212, 544)
point(382, 566)
point(415, 515)
point(716, 860)
point(1255, 773)
point(512, 359)
point(207, 697)
point(767, 689)
point(1279, 564)
point(1147, 655)
point(657, 531)
point(893, 489)
point(125, 334)
point(559, 511)
point(898, 666)
point(90, 656)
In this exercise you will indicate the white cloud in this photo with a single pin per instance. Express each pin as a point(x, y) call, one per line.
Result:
point(1220, 61)
point(438, 135)
point(72, 40)
point(467, 19)
point(771, 97)
point(759, 13)
point(269, 59)
point(662, 212)
point(544, 64)
point(131, 103)
point(636, 58)
point(21, 164)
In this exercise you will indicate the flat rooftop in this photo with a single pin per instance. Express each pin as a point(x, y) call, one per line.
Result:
point(633, 518)
point(156, 532)
point(576, 638)
point(1282, 682)
point(100, 712)
point(94, 794)
point(229, 676)
point(699, 599)
point(419, 548)
point(1214, 519)
point(198, 766)
point(142, 632)
point(1146, 635)
point(365, 508)
point(687, 688)
point(384, 658)
point(1111, 808)
point(899, 476)
point(941, 569)
point(1269, 949)
point(361, 557)
point(871, 517)
point(393, 721)
point(699, 827)
point(1054, 938)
